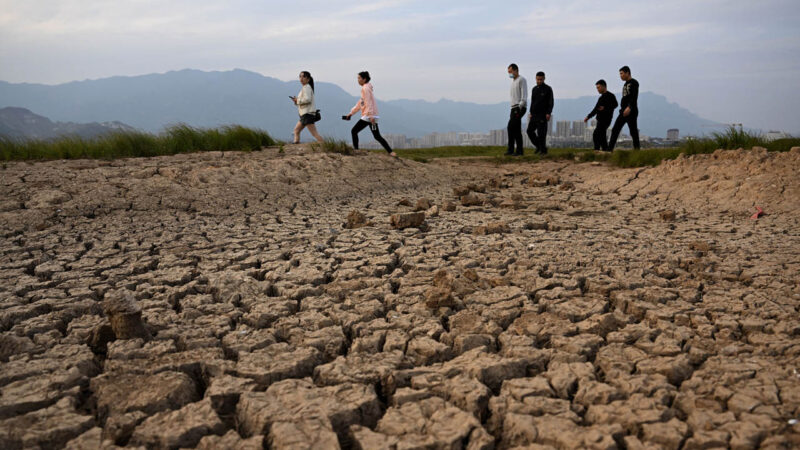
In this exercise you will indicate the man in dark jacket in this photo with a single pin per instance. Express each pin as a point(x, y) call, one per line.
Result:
point(629, 109)
point(541, 110)
point(604, 110)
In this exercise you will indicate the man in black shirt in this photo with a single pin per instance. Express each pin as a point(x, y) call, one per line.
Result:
point(629, 109)
point(604, 109)
point(541, 110)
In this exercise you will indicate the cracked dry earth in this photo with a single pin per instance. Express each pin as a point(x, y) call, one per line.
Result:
point(265, 300)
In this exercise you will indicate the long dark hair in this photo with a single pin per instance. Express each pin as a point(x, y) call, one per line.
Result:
point(310, 78)
point(365, 76)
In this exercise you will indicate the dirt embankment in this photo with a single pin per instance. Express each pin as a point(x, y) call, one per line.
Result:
point(726, 180)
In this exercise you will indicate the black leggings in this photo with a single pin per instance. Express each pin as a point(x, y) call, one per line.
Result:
point(360, 125)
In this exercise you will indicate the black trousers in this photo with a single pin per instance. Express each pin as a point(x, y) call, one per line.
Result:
point(537, 132)
point(599, 135)
point(360, 125)
point(633, 127)
point(515, 130)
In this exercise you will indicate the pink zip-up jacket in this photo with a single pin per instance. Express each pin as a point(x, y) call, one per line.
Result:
point(366, 104)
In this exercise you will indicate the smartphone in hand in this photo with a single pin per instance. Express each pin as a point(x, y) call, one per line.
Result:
point(345, 118)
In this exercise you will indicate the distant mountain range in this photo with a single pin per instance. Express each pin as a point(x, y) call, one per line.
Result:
point(210, 99)
point(21, 123)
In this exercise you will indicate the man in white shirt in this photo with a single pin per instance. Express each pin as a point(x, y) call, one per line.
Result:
point(519, 104)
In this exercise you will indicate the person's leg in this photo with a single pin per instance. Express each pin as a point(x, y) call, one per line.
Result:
point(376, 133)
point(633, 126)
point(313, 129)
point(531, 132)
point(297, 129)
point(360, 125)
point(596, 138)
point(602, 134)
point(513, 127)
point(615, 132)
point(542, 133)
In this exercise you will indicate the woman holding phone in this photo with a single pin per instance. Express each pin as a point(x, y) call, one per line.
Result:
point(369, 114)
point(306, 108)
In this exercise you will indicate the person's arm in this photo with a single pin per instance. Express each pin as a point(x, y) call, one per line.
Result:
point(595, 110)
point(304, 97)
point(612, 101)
point(523, 102)
point(550, 101)
point(358, 104)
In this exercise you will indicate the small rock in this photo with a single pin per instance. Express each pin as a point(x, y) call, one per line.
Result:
point(471, 199)
point(667, 215)
point(356, 219)
point(423, 204)
point(409, 220)
point(460, 191)
point(492, 228)
point(449, 206)
point(439, 297)
point(125, 315)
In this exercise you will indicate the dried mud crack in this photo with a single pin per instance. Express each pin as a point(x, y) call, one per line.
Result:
point(267, 300)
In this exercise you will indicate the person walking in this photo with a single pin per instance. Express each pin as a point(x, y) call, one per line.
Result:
point(519, 103)
point(306, 108)
point(629, 109)
point(541, 110)
point(604, 110)
point(369, 114)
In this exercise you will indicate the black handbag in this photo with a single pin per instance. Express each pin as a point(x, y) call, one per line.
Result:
point(317, 116)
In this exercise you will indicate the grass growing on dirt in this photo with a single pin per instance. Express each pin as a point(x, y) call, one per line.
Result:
point(731, 139)
point(173, 140)
point(333, 146)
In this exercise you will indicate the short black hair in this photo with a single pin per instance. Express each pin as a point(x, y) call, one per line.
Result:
point(540, 74)
point(364, 75)
point(601, 83)
point(513, 66)
point(625, 69)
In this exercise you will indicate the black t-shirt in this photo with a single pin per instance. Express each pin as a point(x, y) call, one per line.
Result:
point(630, 95)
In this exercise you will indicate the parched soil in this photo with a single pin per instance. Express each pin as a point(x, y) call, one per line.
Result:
point(312, 300)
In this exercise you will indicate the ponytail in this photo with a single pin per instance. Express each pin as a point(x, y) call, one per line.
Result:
point(310, 78)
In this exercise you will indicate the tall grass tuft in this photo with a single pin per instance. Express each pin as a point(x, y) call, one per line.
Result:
point(175, 139)
point(331, 145)
point(734, 138)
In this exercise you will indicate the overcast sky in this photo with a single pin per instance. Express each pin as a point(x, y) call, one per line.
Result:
point(730, 61)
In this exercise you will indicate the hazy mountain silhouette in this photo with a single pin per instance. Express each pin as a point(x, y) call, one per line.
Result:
point(21, 123)
point(209, 99)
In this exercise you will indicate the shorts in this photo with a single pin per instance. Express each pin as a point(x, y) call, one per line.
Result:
point(307, 119)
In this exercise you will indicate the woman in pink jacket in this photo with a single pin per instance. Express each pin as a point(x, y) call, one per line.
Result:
point(369, 114)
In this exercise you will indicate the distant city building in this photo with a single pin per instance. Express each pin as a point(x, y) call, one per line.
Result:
point(673, 134)
point(578, 128)
point(498, 137)
point(562, 128)
point(773, 135)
